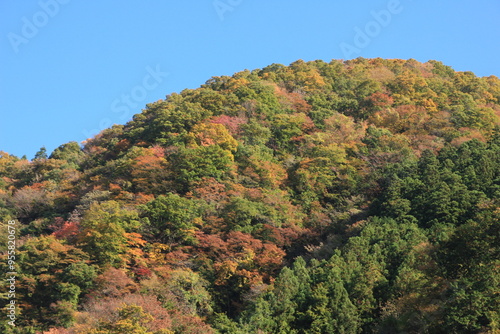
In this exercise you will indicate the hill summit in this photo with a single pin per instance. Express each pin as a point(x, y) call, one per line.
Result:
point(356, 196)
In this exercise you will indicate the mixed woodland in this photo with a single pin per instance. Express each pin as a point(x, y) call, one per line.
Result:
point(358, 196)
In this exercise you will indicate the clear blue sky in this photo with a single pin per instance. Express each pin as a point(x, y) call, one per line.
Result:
point(68, 68)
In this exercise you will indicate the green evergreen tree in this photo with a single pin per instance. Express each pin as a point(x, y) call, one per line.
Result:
point(41, 154)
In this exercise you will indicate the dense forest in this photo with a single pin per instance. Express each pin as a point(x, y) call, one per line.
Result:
point(358, 196)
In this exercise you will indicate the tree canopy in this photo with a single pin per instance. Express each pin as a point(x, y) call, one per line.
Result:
point(358, 196)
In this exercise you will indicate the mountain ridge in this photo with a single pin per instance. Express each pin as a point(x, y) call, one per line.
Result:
point(350, 196)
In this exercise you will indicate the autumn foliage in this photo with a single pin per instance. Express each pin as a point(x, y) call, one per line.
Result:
point(357, 196)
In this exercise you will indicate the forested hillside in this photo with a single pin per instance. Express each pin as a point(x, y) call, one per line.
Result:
point(357, 196)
